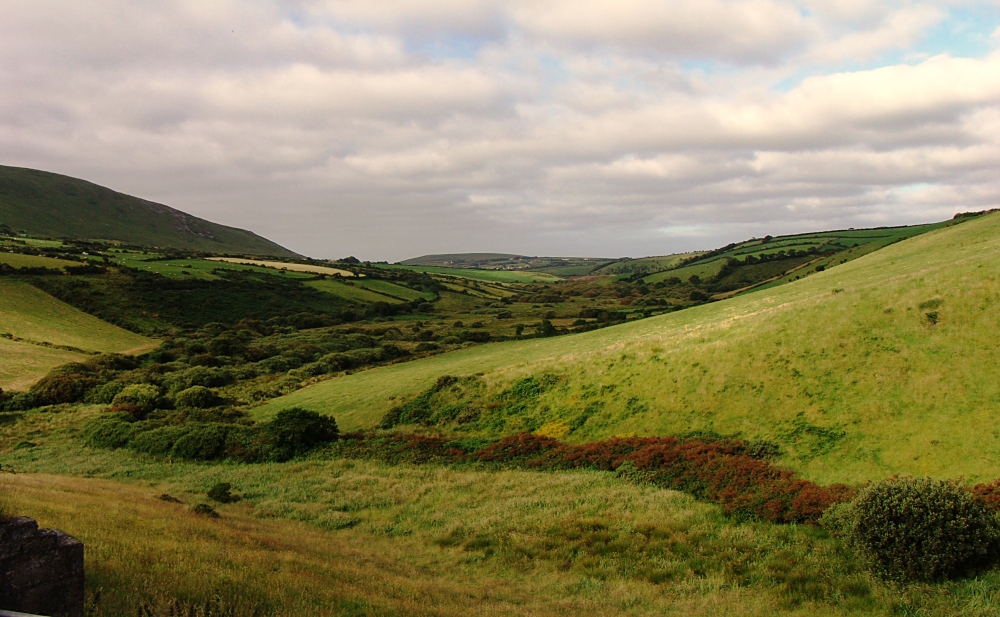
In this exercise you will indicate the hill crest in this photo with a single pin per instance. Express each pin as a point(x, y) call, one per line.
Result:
point(48, 204)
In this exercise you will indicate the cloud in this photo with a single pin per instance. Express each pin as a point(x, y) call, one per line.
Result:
point(392, 129)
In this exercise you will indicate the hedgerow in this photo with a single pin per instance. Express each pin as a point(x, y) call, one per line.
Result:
point(291, 433)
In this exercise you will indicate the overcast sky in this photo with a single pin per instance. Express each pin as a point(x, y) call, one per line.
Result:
point(388, 129)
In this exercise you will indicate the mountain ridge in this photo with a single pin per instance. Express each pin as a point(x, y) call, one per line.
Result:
point(55, 205)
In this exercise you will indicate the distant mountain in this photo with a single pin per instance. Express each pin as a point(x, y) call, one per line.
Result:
point(47, 204)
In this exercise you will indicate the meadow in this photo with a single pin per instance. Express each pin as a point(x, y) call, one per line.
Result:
point(281, 265)
point(335, 535)
point(881, 365)
point(502, 276)
point(44, 332)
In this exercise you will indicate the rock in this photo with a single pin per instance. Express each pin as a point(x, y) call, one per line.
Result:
point(41, 570)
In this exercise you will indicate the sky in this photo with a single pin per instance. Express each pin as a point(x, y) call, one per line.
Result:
point(394, 128)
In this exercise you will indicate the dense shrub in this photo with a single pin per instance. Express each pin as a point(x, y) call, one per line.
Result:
point(18, 401)
point(105, 393)
point(922, 529)
point(143, 396)
point(66, 384)
point(221, 492)
point(294, 432)
point(110, 431)
point(198, 397)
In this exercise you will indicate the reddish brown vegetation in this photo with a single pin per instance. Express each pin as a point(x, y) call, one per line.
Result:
point(989, 493)
point(716, 470)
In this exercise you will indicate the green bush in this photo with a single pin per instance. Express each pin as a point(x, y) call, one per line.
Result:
point(146, 397)
point(294, 432)
point(63, 385)
point(222, 493)
point(105, 393)
point(201, 442)
point(922, 529)
point(205, 510)
point(18, 401)
point(196, 397)
point(158, 441)
point(110, 431)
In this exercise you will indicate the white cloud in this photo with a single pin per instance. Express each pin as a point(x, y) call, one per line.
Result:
point(396, 128)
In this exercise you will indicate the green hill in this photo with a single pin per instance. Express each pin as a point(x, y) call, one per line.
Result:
point(885, 364)
point(38, 333)
point(47, 204)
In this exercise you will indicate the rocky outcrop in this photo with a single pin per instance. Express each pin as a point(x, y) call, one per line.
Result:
point(41, 570)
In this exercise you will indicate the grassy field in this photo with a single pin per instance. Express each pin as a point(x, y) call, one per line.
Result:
point(39, 319)
point(394, 290)
point(651, 264)
point(881, 365)
point(194, 268)
point(334, 536)
point(354, 292)
point(280, 265)
point(17, 260)
point(502, 276)
point(24, 363)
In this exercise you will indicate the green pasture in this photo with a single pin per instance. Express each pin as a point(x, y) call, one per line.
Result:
point(22, 364)
point(885, 364)
point(394, 290)
point(17, 260)
point(40, 321)
point(194, 268)
point(504, 276)
point(351, 291)
point(328, 534)
point(651, 264)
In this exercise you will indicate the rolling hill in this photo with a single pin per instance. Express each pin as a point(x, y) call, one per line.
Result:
point(47, 204)
point(885, 364)
point(38, 333)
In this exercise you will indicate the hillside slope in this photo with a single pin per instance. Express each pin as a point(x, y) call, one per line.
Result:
point(886, 364)
point(38, 333)
point(47, 204)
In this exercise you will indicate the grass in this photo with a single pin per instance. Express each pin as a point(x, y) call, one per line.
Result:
point(24, 363)
point(17, 260)
point(281, 265)
point(190, 268)
point(881, 365)
point(394, 290)
point(502, 276)
point(351, 291)
point(41, 322)
point(331, 535)
point(28, 313)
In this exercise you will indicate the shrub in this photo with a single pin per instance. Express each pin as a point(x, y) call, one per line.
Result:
point(105, 393)
point(221, 493)
point(18, 401)
point(205, 510)
point(922, 529)
point(294, 432)
point(201, 442)
point(197, 397)
point(109, 431)
point(62, 387)
point(145, 397)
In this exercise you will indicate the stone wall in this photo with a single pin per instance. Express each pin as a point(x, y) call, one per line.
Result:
point(41, 570)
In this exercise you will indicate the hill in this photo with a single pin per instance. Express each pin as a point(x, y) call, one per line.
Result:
point(882, 365)
point(47, 204)
point(38, 333)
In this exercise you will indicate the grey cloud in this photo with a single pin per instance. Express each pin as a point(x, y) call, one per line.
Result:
point(322, 125)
